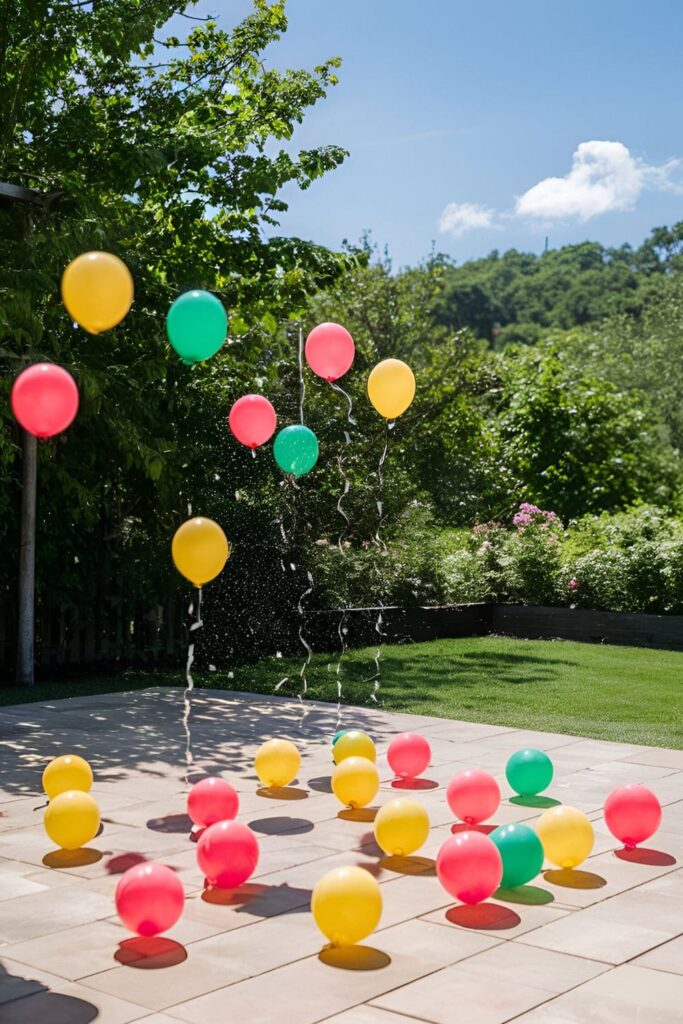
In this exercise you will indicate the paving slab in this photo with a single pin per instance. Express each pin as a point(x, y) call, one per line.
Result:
point(600, 943)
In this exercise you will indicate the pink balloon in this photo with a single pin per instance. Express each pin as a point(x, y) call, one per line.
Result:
point(44, 399)
point(149, 898)
point(227, 853)
point(469, 866)
point(632, 814)
point(212, 800)
point(330, 351)
point(252, 420)
point(409, 755)
point(473, 796)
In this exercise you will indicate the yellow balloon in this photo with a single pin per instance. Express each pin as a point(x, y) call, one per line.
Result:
point(277, 762)
point(97, 290)
point(391, 388)
point(346, 904)
point(355, 781)
point(401, 827)
point(200, 550)
point(72, 819)
point(67, 772)
point(566, 834)
point(354, 743)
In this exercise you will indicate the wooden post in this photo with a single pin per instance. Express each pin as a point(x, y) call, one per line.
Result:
point(27, 561)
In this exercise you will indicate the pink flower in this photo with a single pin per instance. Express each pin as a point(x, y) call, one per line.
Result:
point(521, 519)
point(486, 546)
point(573, 583)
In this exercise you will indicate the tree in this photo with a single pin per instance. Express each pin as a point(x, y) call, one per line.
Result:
point(163, 152)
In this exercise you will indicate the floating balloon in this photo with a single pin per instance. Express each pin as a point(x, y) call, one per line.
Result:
point(354, 743)
point(67, 772)
point(149, 898)
point(252, 420)
point(469, 867)
point(330, 351)
point(401, 827)
point(632, 814)
point(227, 853)
point(391, 388)
point(200, 550)
point(521, 851)
point(567, 835)
point(44, 399)
point(473, 796)
point(196, 325)
point(212, 800)
point(97, 290)
point(409, 755)
point(346, 905)
point(72, 819)
point(529, 771)
point(277, 762)
point(355, 781)
point(296, 450)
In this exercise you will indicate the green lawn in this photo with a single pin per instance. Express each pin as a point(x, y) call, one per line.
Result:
point(617, 693)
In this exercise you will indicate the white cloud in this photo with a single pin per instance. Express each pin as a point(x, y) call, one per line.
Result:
point(604, 177)
point(457, 218)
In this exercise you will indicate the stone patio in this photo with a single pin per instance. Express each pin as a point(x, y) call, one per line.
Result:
point(601, 944)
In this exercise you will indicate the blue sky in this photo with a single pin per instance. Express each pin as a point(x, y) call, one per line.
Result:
point(456, 113)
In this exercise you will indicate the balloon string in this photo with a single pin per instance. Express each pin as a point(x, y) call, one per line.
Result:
point(377, 679)
point(302, 382)
point(187, 704)
point(341, 465)
point(304, 642)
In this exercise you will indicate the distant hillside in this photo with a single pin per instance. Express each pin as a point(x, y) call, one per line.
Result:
point(511, 297)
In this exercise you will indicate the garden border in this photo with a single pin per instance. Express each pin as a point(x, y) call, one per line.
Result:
point(531, 622)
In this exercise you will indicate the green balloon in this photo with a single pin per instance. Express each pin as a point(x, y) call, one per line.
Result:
point(197, 325)
point(521, 851)
point(338, 735)
point(529, 771)
point(296, 450)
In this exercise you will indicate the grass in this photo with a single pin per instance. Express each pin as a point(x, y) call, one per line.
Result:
point(616, 693)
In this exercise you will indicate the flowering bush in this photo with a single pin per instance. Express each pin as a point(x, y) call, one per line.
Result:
point(631, 561)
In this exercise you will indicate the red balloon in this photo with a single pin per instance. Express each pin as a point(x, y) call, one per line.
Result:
point(469, 866)
point(409, 755)
point(44, 399)
point(473, 796)
point(632, 814)
point(149, 898)
point(227, 853)
point(212, 800)
point(330, 351)
point(252, 420)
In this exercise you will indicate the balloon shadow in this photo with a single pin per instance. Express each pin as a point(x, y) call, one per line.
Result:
point(571, 878)
point(282, 793)
point(526, 895)
point(151, 954)
point(414, 784)
point(368, 844)
point(462, 826)
point(321, 784)
point(409, 865)
point(358, 813)
point(71, 858)
point(117, 865)
point(171, 823)
point(642, 855)
point(281, 824)
point(239, 897)
point(534, 801)
point(261, 900)
point(354, 958)
point(483, 917)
